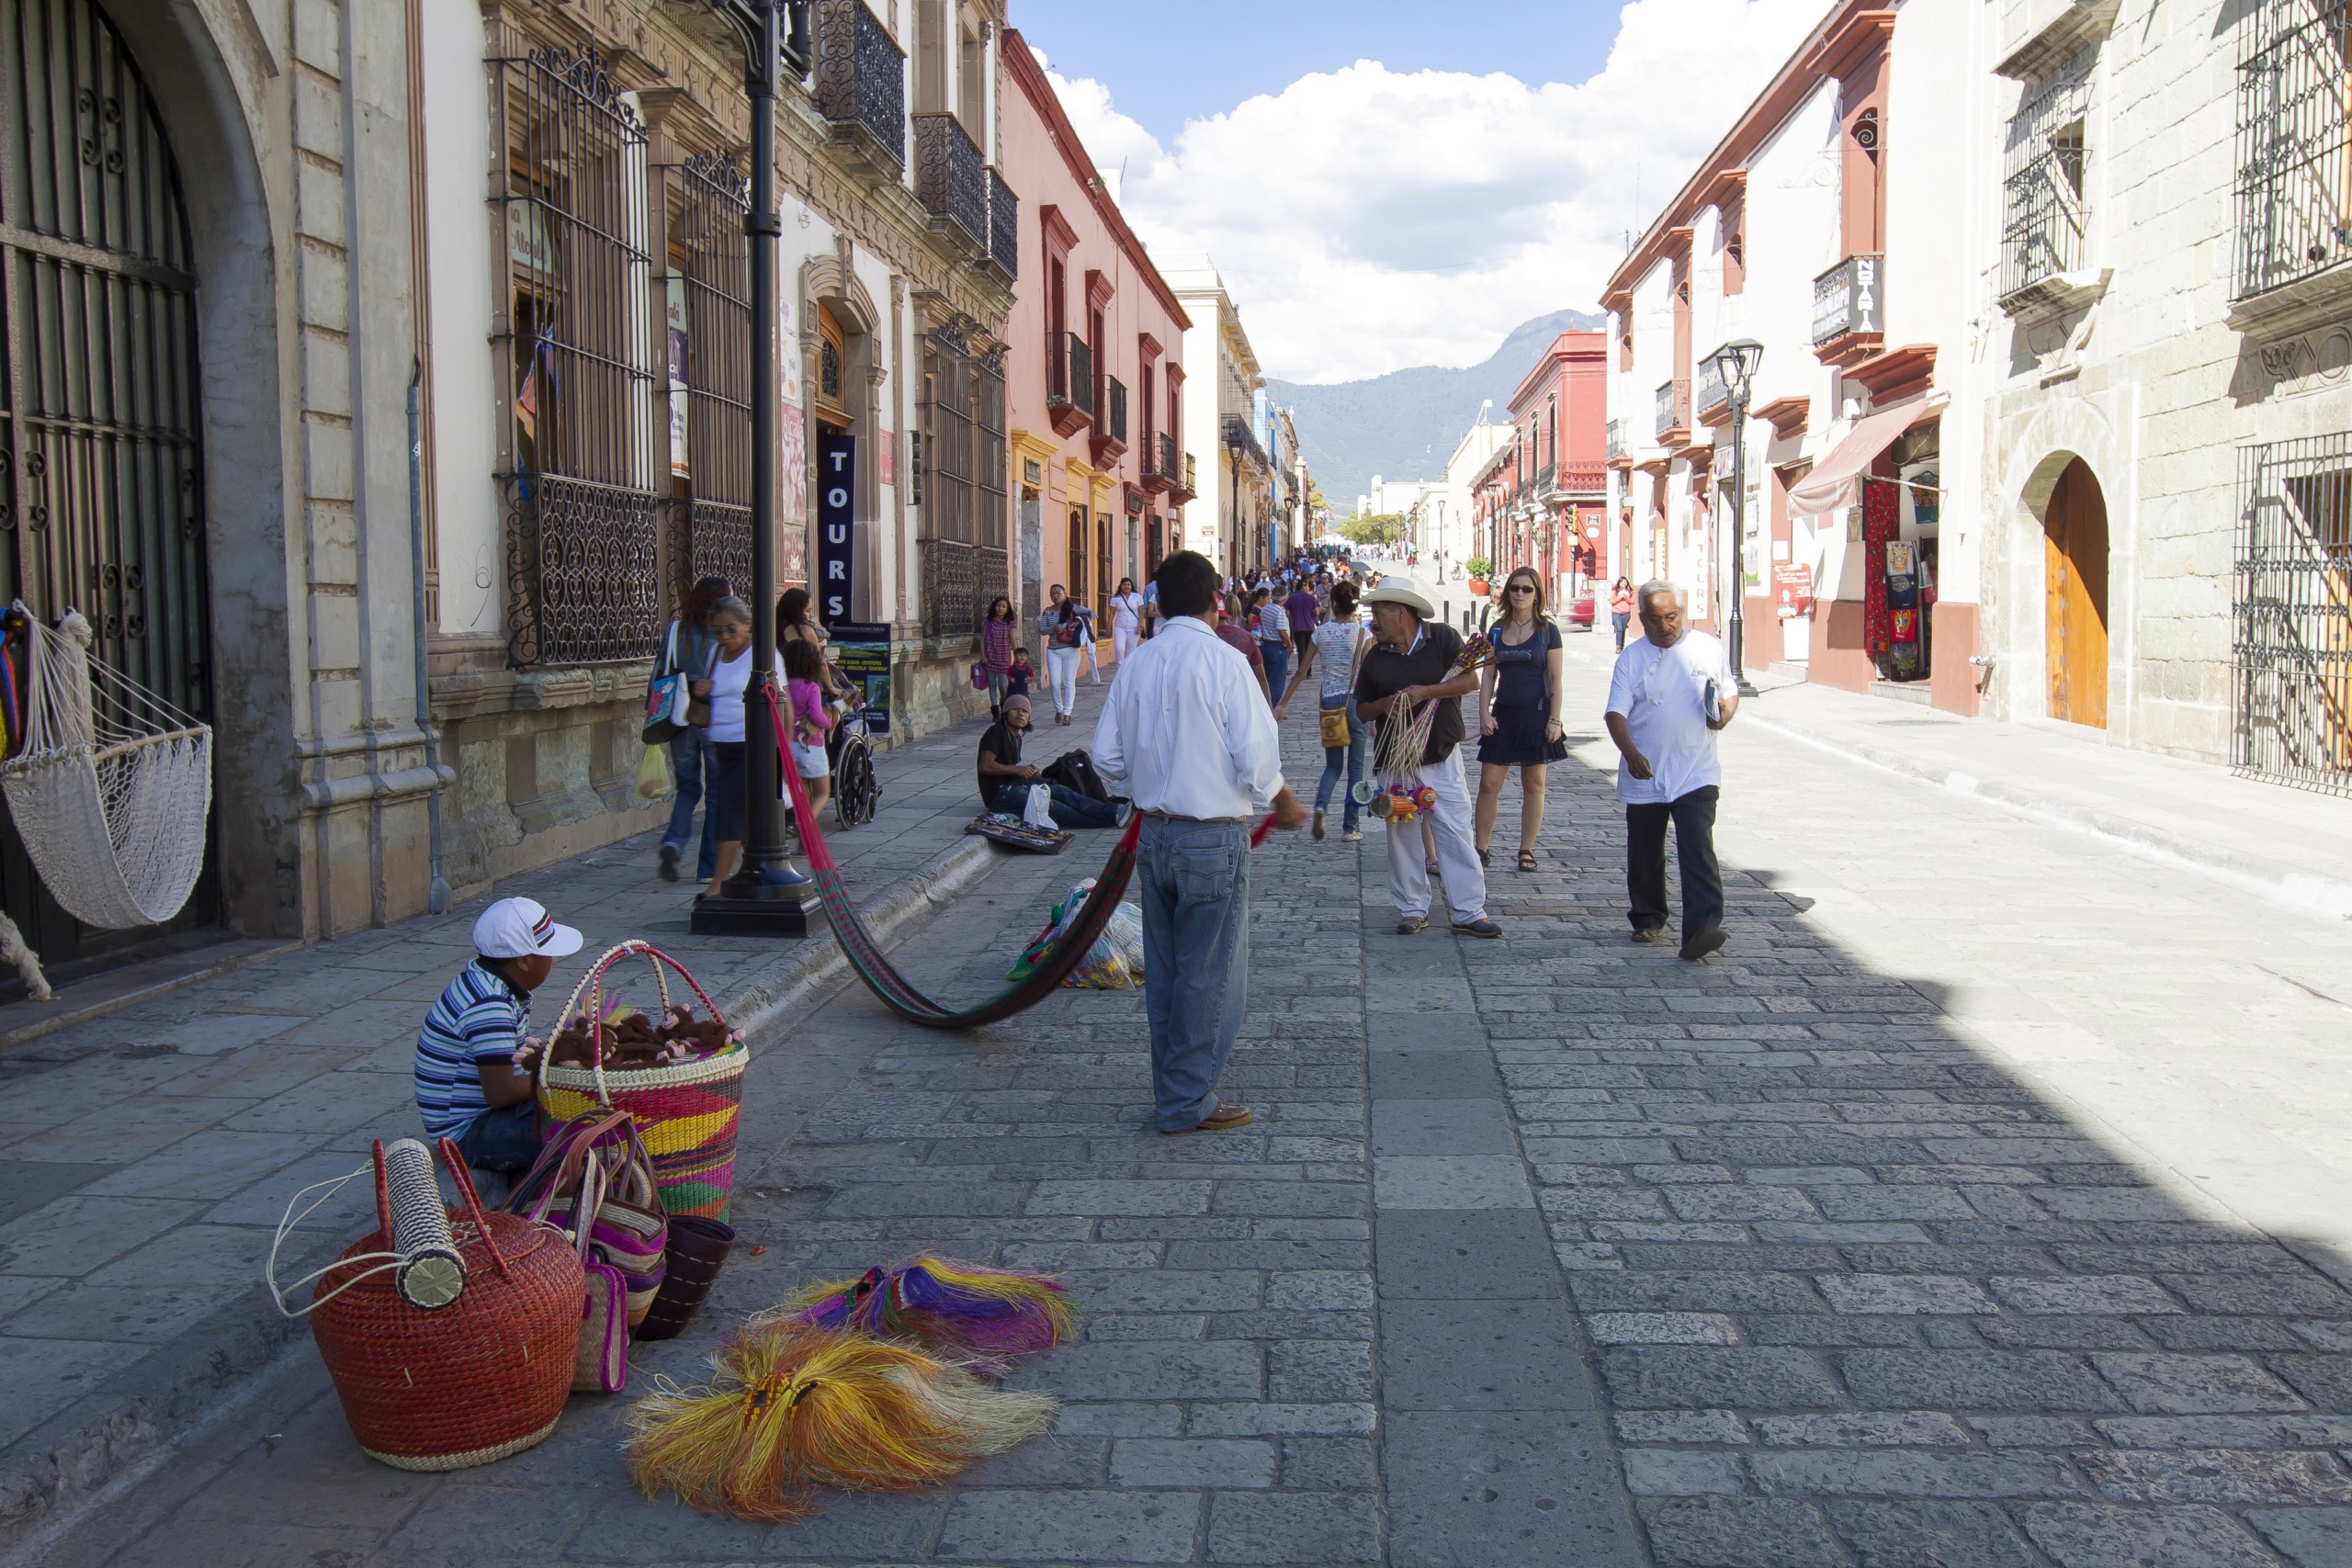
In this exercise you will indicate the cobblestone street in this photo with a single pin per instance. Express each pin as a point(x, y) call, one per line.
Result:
point(1978, 1207)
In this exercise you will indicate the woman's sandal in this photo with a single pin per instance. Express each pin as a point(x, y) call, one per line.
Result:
point(1527, 860)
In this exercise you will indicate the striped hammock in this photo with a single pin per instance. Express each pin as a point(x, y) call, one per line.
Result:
point(864, 954)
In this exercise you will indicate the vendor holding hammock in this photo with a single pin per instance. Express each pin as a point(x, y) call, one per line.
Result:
point(1187, 734)
point(1418, 662)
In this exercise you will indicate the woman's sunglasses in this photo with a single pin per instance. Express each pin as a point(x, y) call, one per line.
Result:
point(1521, 588)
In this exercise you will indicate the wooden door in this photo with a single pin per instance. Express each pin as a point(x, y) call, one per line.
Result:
point(2075, 580)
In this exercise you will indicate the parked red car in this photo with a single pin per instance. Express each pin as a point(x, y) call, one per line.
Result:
point(1580, 612)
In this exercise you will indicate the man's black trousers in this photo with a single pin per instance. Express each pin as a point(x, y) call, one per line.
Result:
point(1693, 816)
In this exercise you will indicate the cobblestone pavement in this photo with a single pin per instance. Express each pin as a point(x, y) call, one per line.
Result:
point(1920, 1229)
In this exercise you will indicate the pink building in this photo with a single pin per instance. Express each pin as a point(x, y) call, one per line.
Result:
point(1541, 501)
point(1094, 376)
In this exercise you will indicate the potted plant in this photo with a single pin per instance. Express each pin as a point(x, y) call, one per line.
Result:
point(1478, 566)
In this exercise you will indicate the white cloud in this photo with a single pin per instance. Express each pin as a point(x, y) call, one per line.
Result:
point(1367, 219)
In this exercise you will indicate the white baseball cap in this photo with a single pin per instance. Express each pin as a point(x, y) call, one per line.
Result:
point(519, 927)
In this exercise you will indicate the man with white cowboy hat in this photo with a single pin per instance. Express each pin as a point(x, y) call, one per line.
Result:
point(1413, 664)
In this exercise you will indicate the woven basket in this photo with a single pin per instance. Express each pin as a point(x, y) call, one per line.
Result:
point(687, 1113)
point(479, 1379)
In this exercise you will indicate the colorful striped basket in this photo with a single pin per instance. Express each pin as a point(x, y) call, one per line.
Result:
point(686, 1113)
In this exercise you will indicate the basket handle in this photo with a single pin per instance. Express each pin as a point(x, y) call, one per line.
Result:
point(383, 1194)
point(456, 1160)
point(592, 985)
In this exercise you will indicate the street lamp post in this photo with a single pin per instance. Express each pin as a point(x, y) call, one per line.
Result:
point(766, 897)
point(1736, 362)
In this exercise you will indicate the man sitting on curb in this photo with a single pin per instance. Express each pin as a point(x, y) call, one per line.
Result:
point(1005, 779)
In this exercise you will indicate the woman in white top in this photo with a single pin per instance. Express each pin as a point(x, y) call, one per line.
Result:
point(1126, 618)
point(730, 628)
point(1063, 627)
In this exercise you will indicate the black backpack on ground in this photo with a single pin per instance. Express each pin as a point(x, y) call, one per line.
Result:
point(1075, 770)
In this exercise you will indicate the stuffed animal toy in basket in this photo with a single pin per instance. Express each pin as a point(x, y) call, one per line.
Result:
point(681, 1077)
point(450, 1333)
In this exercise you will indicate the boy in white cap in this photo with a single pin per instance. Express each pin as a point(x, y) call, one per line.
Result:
point(473, 1082)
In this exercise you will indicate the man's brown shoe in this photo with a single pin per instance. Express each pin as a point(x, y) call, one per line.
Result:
point(1222, 1119)
point(1648, 934)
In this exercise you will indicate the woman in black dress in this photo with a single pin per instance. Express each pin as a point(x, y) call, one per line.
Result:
point(1518, 699)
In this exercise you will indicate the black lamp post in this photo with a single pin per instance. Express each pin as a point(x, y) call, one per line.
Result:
point(766, 897)
point(1735, 362)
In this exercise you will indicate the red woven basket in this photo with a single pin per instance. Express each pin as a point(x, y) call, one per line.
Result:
point(474, 1381)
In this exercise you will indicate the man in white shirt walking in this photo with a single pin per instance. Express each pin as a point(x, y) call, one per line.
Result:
point(1669, 694)
point(1186, 735)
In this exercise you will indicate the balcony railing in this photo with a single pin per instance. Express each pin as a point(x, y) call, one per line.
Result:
point(1584, 478)
point(2042, 189)
point(860, 82)
point(1850, 299)
point(951, 181)
point(1617, 447)
point(1244, 441)
point(1114, 423)
point(1711, 388)
point(1189, 486)
point(2292, 144)
point(1674, 408)
point(1078, 386)
point(1004, 227)
point(1158, 462)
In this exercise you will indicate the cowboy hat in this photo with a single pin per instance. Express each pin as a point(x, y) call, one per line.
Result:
point(1401, 591)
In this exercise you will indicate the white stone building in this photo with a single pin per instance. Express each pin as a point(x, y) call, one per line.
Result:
point(1228, 520)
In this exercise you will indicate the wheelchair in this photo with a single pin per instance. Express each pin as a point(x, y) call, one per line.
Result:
point(857, 793)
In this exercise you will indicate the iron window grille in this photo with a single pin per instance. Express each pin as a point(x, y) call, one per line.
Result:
point(717, 541)
point(1079, 389)
point(962, 538)
point(2294, 179)
point(2041, 186)
point(1116, 423)
point(1004, 226)
point(576, 344)
point(2291, 613)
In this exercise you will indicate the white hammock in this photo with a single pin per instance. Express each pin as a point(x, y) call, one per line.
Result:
point(111, 788)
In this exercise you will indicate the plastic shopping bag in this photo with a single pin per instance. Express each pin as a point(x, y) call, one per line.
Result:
point(1114, 963)
point(1039, 811)
point(653, 773)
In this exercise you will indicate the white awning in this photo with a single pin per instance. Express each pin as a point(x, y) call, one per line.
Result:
point(1830, 487)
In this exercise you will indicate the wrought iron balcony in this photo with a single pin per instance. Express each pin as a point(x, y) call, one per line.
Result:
point(1160, 470)
point(1111, 429)
point(1081, 375)
point(1674, 411)
point(1583, 478)
point(951, 183)
point(1189, 486)
point(1711, 394)
point(2042, 190)
point(1617, 446)
point(2292, 137)
point(860, 83)
point(1004, 228)
point(1849, 303)
point(1244, 441)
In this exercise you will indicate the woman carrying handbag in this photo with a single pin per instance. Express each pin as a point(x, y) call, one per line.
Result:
point(688, 650)
point(1519, 704)
point(1339, 642)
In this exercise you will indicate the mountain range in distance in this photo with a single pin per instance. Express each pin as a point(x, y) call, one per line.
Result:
point(1404, 424)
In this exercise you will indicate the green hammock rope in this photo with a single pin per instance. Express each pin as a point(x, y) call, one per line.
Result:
point(864, 954)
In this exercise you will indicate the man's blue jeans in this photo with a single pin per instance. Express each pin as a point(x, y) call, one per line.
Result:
point(1071, 809)
point(1193, 879)
point(688, 750)
point(1349, 757)
point(505, 1139)
point(1277, 666)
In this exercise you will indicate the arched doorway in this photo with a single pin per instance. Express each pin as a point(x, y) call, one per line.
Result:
point(2074, 531)
point(101, 467)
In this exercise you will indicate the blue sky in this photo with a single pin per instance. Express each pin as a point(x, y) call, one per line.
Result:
point(1167, 63)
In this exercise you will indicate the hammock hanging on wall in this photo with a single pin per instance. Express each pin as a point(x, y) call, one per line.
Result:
point(111, 784)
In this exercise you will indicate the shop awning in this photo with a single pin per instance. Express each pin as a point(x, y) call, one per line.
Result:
point(1830, 487)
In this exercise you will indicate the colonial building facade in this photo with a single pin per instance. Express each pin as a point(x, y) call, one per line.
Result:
point(1543, 494)
point(1228, 457)
point(1097, 370)
point(452, 327)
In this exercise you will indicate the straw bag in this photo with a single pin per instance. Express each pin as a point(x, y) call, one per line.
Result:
point(686, 1114)
point(474, 1380)
point(697, 1248)
point(1334, 721)
point(627, 1229)
point(601, 1365)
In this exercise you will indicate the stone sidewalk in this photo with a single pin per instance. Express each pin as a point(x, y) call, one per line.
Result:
point(147, 1155)
point(1911, 1232)
point(2293, 846)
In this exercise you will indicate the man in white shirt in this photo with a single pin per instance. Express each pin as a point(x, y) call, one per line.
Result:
point(1185, 734)
point(1669, 694)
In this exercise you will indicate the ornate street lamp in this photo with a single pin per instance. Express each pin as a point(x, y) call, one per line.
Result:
point(766, 897)
point(1735, 362)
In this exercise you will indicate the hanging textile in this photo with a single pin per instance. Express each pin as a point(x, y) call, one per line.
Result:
point(1879, 525)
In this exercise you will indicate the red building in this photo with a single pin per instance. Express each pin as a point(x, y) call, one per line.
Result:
point(1540, 500)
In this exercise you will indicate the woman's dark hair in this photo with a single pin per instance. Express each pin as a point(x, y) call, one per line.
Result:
point(707, 592)
point(792, 607)
point(729, 605)
point(1622, 582)
point(1343, 601)
point(802, 661)
point(1187, 584)
point(1001, 599)
point(1126, 585)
